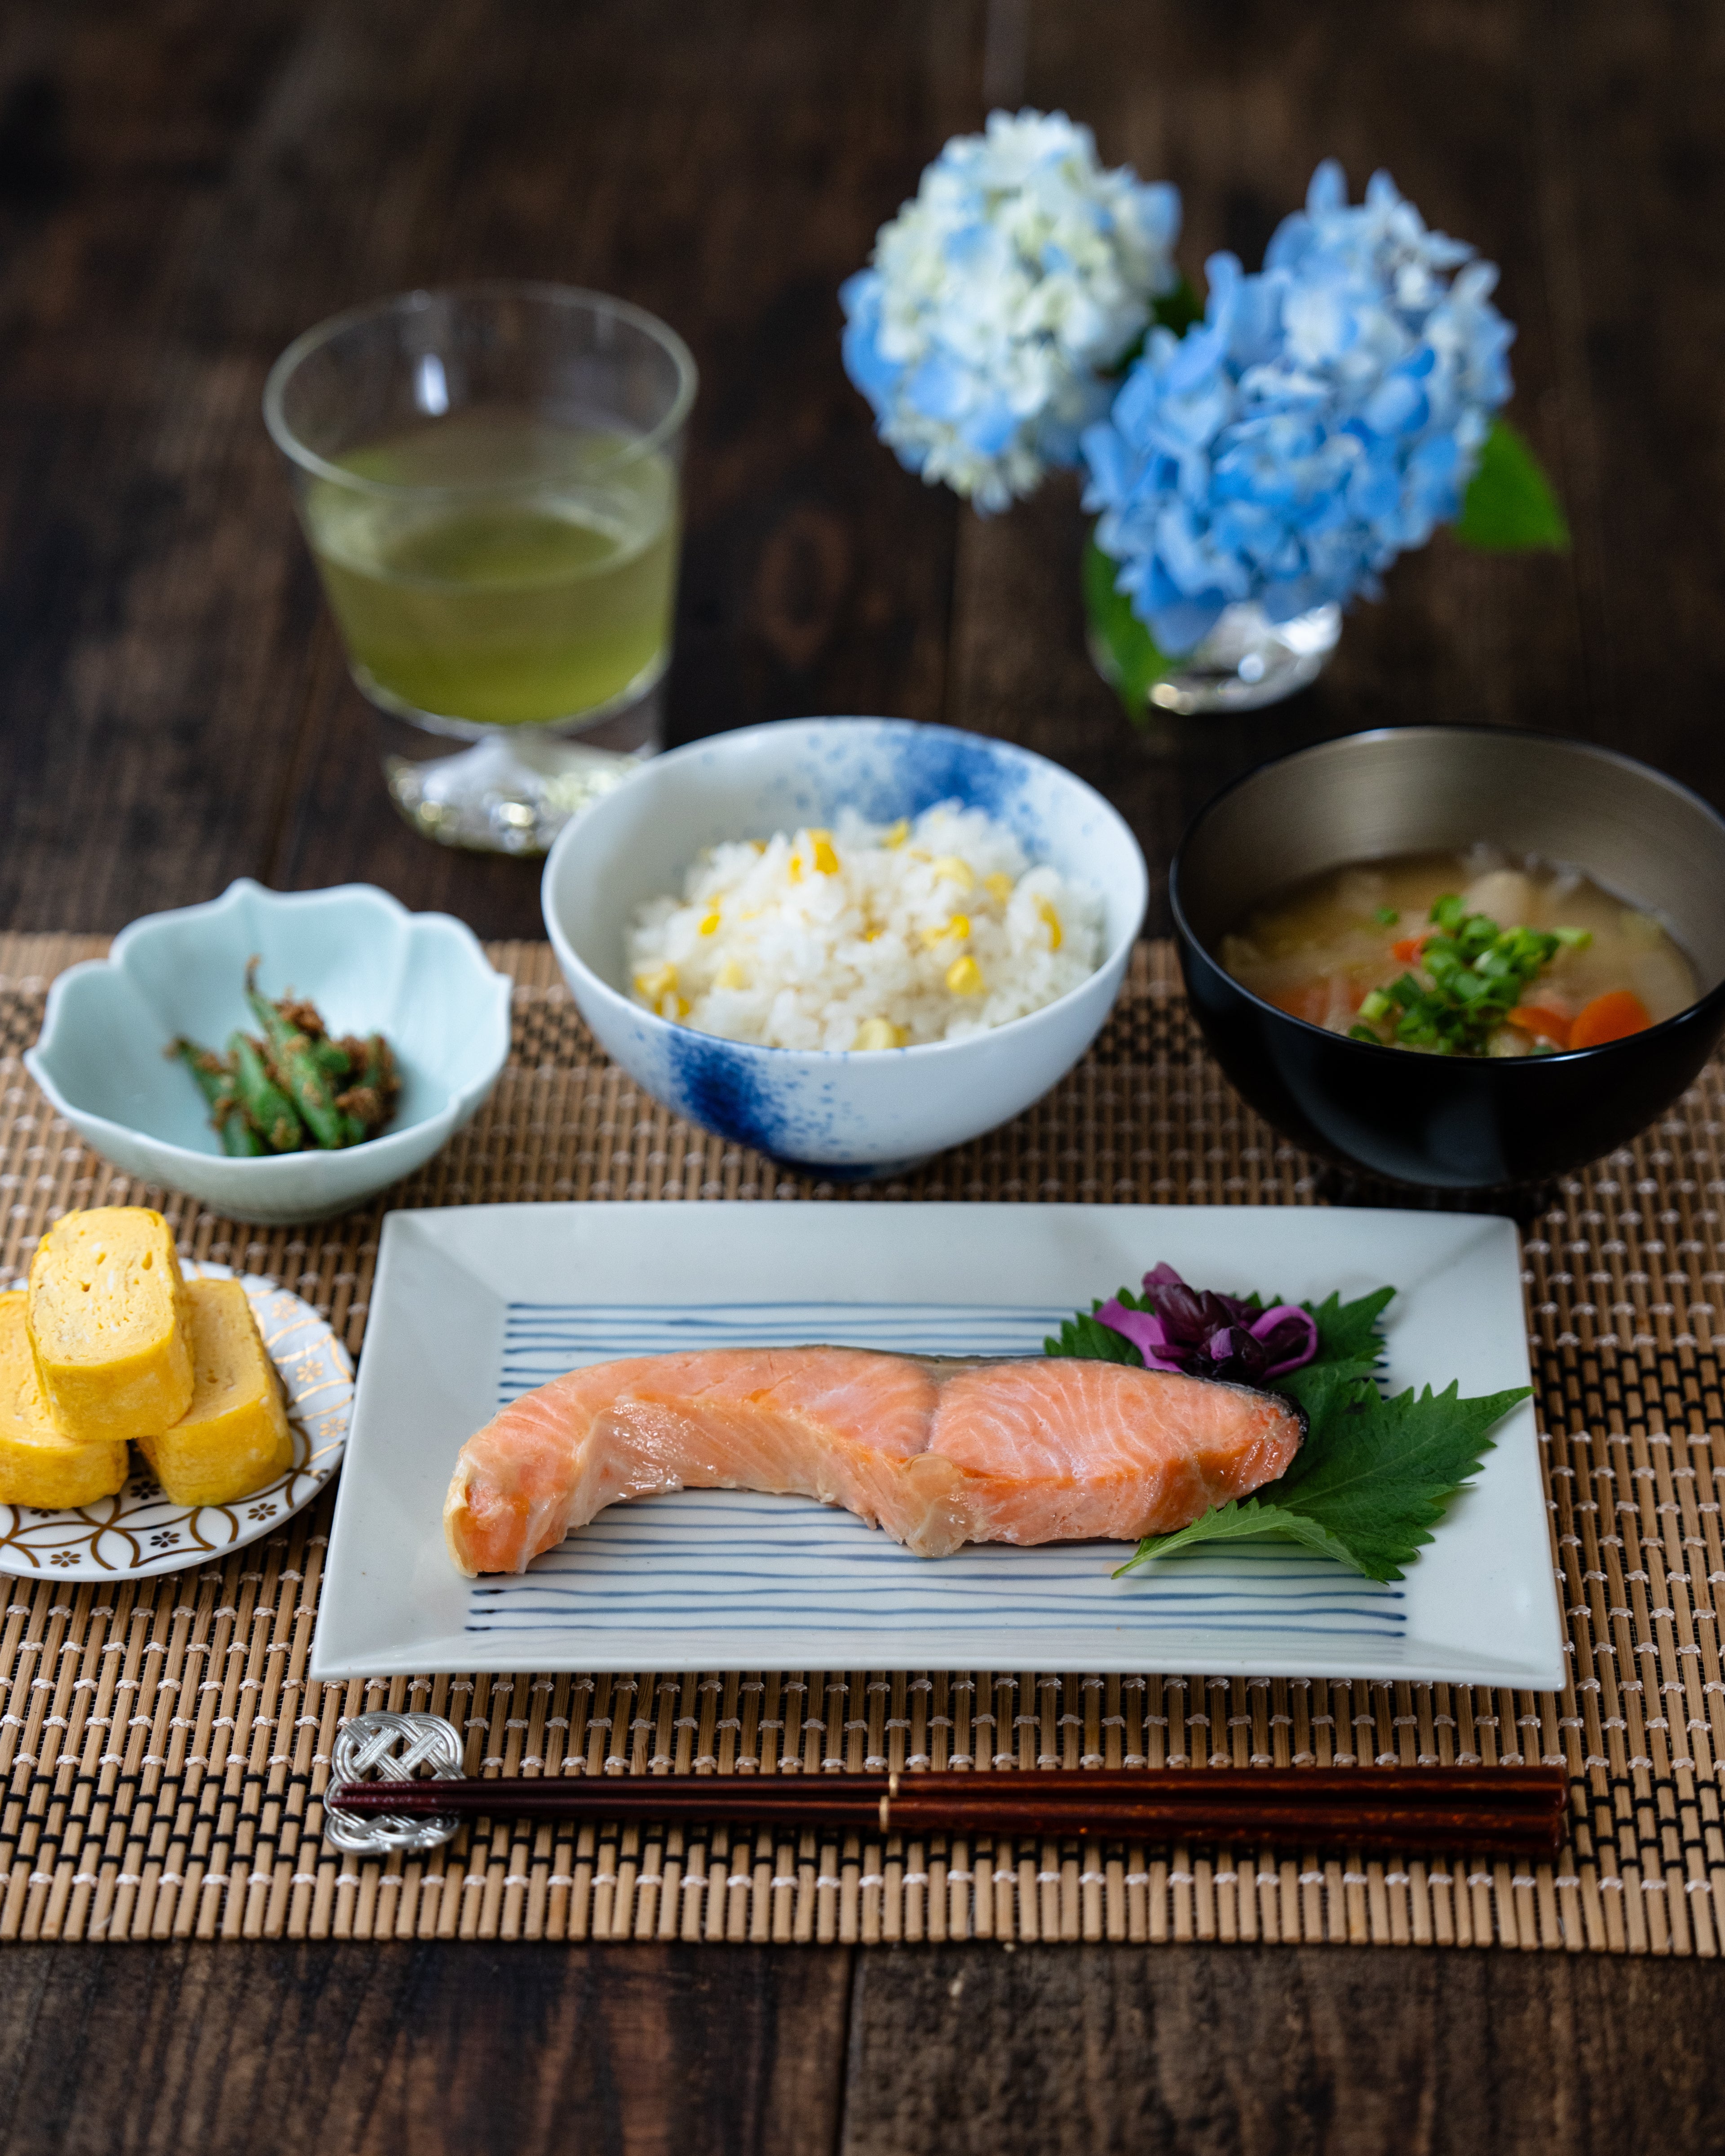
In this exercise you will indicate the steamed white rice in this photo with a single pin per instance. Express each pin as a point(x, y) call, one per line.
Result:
point(865, 936)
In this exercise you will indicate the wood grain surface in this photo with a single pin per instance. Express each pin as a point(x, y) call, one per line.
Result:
point(530, 2050)
point(186, 183)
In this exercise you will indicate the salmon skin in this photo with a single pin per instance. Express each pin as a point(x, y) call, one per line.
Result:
point(937, 1452)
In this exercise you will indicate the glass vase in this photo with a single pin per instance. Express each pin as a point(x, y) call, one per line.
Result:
point(1246, 661)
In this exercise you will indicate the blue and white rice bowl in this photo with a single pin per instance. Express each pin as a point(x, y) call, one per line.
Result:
point(834, 1113)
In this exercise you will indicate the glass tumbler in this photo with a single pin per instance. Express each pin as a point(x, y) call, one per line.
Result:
point(488, 479)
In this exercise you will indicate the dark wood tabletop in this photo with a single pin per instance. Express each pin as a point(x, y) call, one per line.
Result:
point(185, 184)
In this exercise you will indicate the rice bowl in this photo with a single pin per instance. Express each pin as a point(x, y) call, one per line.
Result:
point(832, 1112)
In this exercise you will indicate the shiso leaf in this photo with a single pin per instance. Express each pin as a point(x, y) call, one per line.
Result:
point(1348, 1331)
point(1086, 1337)
point(1256, 1519)
point(1386, 1469)
point(1374, 1474)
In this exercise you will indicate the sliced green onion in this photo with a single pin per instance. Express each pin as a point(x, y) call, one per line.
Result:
point(1375, 1006)
point(1386, 917)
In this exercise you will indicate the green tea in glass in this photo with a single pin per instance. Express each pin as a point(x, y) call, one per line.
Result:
point(488, 479)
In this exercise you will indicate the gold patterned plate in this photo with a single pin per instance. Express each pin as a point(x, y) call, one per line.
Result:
point(140, 1532)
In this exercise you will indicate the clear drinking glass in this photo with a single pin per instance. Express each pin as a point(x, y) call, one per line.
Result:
point(487, 477)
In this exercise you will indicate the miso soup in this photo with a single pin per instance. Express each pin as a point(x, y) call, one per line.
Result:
point(1463, 954)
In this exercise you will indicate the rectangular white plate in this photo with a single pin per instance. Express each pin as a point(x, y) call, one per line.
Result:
point(474, 1304)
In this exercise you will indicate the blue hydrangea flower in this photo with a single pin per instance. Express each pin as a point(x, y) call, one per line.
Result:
point(998, 297)
point(1325, 415)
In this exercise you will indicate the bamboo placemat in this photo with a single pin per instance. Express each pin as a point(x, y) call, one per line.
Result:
point(163, 1751)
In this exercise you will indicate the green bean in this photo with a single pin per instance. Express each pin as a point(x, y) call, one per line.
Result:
point(215, 1081)
point(370, 1100)
point(269, 1108)
point(300, 1075)
point(239, 1139)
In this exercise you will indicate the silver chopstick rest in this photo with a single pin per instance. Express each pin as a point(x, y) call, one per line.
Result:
point(393, 1746)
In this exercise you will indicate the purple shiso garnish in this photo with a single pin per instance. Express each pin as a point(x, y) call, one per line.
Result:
point(1202, 1334)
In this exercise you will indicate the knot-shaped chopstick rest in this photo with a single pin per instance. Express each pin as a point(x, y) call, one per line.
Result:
point(393, 1746)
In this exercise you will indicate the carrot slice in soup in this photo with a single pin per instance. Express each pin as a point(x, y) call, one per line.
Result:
point(1311, 1003)
point(1544, 1025)
point(1611, 1017)
point(1409, 947)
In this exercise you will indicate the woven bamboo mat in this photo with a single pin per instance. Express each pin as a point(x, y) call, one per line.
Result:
point(163, 1751)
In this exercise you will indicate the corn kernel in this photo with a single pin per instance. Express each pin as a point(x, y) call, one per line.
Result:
point(955, 930)
point(1055, 938)
point(949, 869)
point(879, 1033)
point(825, 859)
point(999, 887)
point(710, 926)
point(656, 982)
point(964, 976)
point(896, 836)
point(731, 975)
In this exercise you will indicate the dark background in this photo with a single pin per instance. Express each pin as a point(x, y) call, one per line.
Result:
point(184, 184)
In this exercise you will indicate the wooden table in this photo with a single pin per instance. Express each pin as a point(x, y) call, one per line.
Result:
point(186, 183)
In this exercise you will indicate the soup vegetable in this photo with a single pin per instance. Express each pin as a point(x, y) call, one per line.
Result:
point(1462, 954)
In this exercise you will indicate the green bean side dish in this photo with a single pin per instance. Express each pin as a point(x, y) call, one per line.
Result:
point(292, 1087)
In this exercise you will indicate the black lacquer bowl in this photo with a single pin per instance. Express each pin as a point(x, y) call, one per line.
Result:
point(1444, 1122)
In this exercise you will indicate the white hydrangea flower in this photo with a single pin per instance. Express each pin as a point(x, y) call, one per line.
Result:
point(996, 300)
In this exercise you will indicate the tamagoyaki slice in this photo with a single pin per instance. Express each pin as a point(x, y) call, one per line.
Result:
point(38, 1466)
point(107, 1324)
point(235, 1436)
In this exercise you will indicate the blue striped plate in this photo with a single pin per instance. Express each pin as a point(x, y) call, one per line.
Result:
point(476, 1305)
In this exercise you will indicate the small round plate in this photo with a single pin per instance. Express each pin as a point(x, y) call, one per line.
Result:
point(140, 1532)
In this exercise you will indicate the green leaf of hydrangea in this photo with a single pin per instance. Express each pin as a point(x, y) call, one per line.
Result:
point(1175, 310)
point(1509, 507)
point(1178, 310)
point(1125, 648)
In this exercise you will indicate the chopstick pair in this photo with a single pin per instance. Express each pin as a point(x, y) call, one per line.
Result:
point(1513, 1811)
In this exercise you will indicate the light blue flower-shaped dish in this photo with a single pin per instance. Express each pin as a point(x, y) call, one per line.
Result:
point(830, 1112)
point(420, 979)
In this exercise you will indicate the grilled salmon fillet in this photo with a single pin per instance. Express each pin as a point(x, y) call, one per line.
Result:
point(937, 1452)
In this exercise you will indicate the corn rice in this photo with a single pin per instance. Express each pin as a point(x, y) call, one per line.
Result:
point(855, 938)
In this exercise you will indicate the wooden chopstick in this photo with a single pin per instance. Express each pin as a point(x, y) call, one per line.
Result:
point(1521, 1810)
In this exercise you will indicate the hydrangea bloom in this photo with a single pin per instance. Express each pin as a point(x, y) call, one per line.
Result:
point(1326, 415)
point(1021, 269)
